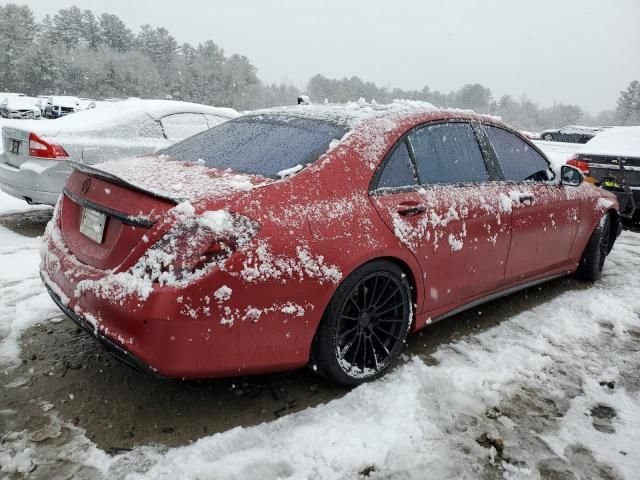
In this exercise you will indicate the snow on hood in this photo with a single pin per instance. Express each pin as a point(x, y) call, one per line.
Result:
point(179, 181)
point(118, 113)
point(618, 141)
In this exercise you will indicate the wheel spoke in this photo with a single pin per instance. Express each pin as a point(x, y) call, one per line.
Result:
point(373, 290)
point(391, 320)
point(389, 309)
point(384, 347)
point(390, 297)
point(373, 351)
point(374, 304)
point(355, 353)
point(355, 303)
point(389, 334)
point(364, 352)
point(347, 332)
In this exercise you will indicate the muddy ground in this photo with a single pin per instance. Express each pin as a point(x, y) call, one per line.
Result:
point(120, 408)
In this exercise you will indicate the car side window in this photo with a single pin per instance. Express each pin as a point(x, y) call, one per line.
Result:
point(398, 171)
point(179, 126)
point(519, 161)
point(448, 153)
point(213, 120)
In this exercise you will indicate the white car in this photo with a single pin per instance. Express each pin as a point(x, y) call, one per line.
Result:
point(19, 107)
point(34, 165)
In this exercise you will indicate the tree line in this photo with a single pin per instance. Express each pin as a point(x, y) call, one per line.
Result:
point(78, 53)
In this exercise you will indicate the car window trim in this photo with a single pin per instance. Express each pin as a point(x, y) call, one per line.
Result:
point(551, 181)
point(373, 185)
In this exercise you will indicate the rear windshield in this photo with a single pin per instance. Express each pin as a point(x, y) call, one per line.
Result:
point(259, 145)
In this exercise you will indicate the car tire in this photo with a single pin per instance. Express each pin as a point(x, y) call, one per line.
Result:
point(599, 246)
point(364, 326)
point(547, 137)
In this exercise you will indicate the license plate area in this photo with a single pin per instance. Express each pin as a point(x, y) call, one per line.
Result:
point(92, 224)
point(15, 147)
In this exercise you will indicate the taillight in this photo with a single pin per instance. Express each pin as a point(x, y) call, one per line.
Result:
point(41, 149)
point(196, 244)
point(579, 164)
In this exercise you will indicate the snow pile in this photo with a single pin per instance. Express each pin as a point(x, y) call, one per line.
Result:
point(617, 141)
point(23, 302)
point(9, 204)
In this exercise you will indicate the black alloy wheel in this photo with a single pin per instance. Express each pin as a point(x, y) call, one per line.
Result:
point(365, 325)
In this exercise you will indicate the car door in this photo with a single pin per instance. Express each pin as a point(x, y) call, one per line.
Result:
point(451, 220)
point(544, 219)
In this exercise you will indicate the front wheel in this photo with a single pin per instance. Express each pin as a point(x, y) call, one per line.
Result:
point(548, 137)
point(365, 325)
point(599, 246)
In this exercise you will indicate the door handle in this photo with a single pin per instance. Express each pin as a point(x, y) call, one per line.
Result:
point(410, 211)
point(526, 197)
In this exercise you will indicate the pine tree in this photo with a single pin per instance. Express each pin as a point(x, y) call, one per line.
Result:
point(115, 33)
point(628, 105)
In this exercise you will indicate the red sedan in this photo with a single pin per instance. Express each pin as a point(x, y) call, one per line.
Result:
point(314, 234)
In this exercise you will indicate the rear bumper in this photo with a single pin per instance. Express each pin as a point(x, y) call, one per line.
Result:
point(184, 332)
point(116, 350)
point(33, 181)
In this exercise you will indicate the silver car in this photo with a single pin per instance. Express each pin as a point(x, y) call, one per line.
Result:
point(34, 165)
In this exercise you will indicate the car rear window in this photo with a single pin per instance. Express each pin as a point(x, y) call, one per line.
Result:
point(260, 144)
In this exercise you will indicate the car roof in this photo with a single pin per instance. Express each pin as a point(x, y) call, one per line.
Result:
point(353, 114)
point(109, 114)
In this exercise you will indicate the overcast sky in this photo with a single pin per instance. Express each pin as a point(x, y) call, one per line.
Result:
point(572, 51)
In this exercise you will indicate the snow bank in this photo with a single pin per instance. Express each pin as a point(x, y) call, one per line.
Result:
point(23, 301)
point(9, 204)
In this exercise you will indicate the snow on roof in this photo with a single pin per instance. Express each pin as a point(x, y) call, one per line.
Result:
point(21, 103)
point(618, 141)
point(350, 114)
point(118, 113)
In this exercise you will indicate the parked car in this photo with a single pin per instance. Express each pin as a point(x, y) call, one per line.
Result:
point(35, 163)
point(314, 234)
point(612, 160)
point(571, 134)
point(20, 108)
point(59, 106)
point(530, 135)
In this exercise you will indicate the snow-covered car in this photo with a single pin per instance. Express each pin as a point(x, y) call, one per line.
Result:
point(570, 133)
point(35, 162)
point(59, 106)
point(530, 135)
point(19, 108)
point(612, 160)
point(316, 234)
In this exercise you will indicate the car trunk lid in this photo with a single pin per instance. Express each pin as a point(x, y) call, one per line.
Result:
point(112, 212)
point(103, 222)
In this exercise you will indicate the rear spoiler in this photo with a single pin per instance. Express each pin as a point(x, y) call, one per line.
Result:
point(96, 172)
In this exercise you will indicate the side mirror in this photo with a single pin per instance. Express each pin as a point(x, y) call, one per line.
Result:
point(570, 176)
